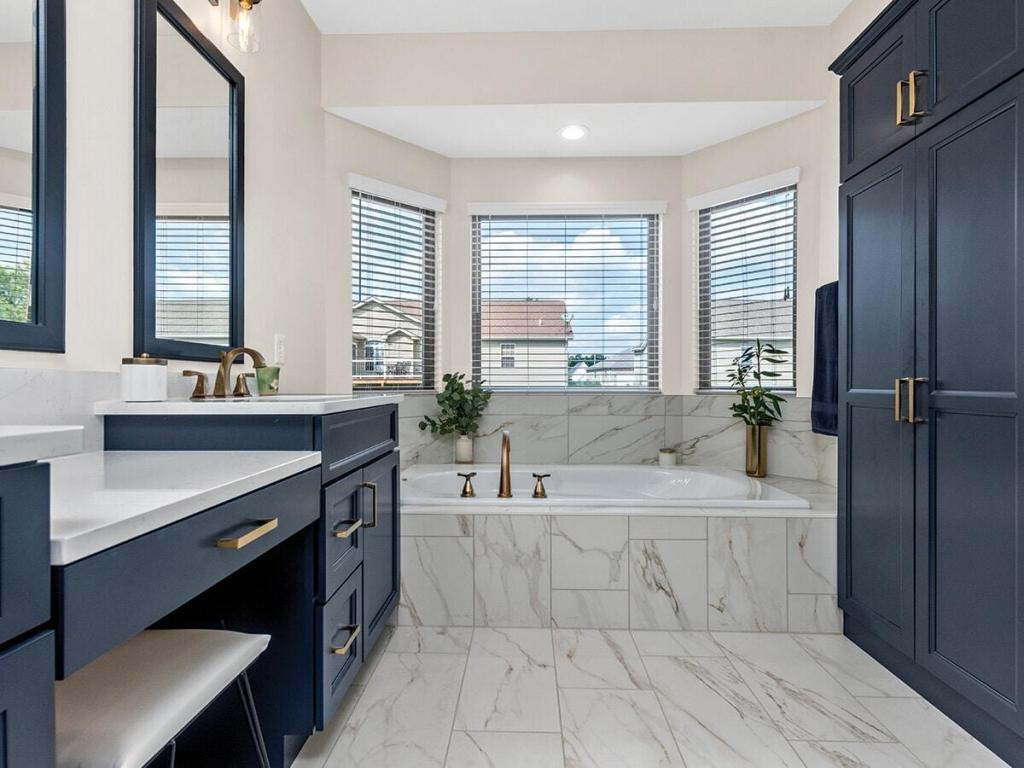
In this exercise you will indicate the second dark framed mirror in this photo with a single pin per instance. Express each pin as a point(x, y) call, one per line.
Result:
point(189, 189)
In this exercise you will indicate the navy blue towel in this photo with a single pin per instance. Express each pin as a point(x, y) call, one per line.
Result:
point(825, 394)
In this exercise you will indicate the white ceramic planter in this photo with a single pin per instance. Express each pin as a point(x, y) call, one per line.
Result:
point(464, 450)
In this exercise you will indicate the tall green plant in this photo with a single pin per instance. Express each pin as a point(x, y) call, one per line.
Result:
point(459, 407)
point(758, 405)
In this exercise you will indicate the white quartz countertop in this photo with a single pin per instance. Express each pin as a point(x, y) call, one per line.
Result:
point(271, 405)
point(19, 444)
point(101, 499)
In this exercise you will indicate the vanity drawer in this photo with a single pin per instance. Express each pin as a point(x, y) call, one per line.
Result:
point(349, 440)
point(24, 549)
point(105, 599)
point(341, 533)
point(26, 703)
point(339, 631)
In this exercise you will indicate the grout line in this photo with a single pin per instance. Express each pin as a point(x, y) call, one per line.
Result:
point(458, 699)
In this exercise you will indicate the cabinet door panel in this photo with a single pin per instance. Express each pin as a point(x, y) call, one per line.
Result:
point(24, 549)
point(876, 485)
point(380, 544)
point(967, 48)
point(969, 449)
point(868, 99)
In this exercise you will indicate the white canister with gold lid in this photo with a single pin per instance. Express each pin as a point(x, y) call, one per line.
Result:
point(143, 379)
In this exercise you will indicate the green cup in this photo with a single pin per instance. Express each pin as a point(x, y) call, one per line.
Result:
point(268, 380)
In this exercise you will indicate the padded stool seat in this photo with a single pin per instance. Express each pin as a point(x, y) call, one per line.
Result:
point(121, 710)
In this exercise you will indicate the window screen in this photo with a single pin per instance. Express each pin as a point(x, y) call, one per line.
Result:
point(193, 279)
point(393, 287)
point(16, 265)
point(747, 283)
point(573, 298)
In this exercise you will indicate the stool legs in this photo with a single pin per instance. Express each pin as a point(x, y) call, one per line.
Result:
point(249, 704)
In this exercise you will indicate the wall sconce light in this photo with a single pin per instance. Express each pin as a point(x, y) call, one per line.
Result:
point(241, 22)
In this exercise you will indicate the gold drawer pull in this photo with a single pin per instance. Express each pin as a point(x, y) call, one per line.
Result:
point(373, 489)
point(897, 397)
point(343, 650)
point(913, 112)
point(353, 526)
point(265, 527)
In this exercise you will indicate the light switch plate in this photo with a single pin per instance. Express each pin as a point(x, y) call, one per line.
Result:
point(279, 348)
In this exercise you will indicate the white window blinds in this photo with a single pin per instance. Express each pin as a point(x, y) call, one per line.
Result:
point(747, 283)
point(193, 279)
point(566, 301)
point(16, 265)
point(393, 294)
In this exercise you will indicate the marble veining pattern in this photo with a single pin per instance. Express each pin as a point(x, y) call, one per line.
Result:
point(668, 584)
point(437, 581)
point(590, 608)
point(707, 706)
point(598, 658)
point(512, 567)
point(812, 556)
point(589, 552)
point(747, 574)
point(616, 439)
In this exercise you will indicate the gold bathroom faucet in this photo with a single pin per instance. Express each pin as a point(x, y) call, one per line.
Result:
point(227, 359)
point(505, 483)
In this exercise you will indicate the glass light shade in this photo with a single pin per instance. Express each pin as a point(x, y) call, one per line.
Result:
point(243, 25)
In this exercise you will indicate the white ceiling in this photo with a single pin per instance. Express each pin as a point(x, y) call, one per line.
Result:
point(531, 130)
point(334, 17)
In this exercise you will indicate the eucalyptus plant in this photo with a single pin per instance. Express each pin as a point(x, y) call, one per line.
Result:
point(758, 405)
point(459, 407)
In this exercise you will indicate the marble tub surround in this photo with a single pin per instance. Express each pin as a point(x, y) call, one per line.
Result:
point(625, 428)
point(19, 444)
point(728, 572)
point(554, 698)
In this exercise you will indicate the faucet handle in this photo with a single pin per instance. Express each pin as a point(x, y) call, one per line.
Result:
point(199, 391)
point(467, 488)
point(539, 491)
point(241, 387)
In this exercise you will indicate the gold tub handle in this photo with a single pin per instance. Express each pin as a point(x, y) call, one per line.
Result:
point(265, 527)
point(343, 650)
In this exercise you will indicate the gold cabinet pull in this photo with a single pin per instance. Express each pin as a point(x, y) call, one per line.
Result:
point(899, 103)
point(265, 527)
point(913, 113)
point(897, 397)
point(911, 400)
point(353, 526)
point(342, 650)
point(373, 488)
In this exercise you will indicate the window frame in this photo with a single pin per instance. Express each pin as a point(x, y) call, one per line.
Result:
point(653, 212)
point(429, 323)
point(704, 341)
point(46, 332)
point(510, 354)
point(145, 338)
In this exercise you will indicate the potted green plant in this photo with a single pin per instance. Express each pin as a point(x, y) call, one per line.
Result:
point(459, 411)
point(758, 407)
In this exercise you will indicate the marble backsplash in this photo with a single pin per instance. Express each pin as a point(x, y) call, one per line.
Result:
point(625, 429)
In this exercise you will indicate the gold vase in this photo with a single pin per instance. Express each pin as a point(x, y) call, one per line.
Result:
point(757, 451)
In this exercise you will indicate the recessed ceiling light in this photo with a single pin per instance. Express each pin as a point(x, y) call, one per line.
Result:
point(574, 132)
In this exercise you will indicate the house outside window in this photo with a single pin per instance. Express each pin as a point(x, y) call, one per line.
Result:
point(566, 301)
point(747, 283)
point(508, 355)
point(393, 288)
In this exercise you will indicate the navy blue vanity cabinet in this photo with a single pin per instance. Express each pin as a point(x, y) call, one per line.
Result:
point(931, 440)
point(24, 549)
point(26, 703)
point(382, 482)
point(341, 641)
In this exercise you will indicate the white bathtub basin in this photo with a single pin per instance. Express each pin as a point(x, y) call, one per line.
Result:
point(620, 489)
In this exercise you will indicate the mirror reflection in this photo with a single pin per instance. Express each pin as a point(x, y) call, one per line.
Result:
point(17, 65)
point(193, 234)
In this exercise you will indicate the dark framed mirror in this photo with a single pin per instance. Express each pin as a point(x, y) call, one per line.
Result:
point(32, 174)
point(189, 189)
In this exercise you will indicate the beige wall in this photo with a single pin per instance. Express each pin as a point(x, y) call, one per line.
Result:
point(574, 67)
point(16, 174)
point(352, 148)
point(284, 205)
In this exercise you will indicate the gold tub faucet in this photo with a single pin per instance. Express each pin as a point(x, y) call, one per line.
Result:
point(505, 483)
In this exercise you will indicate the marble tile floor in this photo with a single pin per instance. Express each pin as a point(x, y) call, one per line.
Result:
point(568, 698)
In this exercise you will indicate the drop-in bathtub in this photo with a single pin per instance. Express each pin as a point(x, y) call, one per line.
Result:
point(621, 489)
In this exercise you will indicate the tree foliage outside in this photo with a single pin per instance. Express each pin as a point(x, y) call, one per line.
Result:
point(15, 294)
